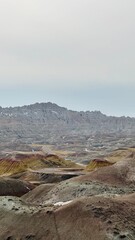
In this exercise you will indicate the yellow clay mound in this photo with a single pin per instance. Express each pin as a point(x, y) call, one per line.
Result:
point(23, 162)
point(121, 154)
point(97, 163)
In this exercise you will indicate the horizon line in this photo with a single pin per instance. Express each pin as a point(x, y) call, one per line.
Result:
point(75, 110)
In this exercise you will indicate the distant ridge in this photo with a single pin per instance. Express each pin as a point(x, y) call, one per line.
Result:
point(44, 122)
point(54, 105)
point(50, 105)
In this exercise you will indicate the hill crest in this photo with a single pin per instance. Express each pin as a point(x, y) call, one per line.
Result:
point(48, 123)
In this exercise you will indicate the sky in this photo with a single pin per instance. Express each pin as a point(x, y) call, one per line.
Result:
point(79, 54)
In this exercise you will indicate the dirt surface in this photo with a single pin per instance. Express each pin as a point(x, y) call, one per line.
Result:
point(14, 187)
point(99, 205)
point(117, 179)
point(91, 218)
point(121, 173)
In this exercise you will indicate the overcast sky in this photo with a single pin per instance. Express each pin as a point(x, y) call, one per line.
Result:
point(77, 53)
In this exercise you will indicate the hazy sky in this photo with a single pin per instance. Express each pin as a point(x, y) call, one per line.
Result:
point(77, 53)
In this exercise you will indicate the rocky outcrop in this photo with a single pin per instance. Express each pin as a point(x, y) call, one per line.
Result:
point(44, 122)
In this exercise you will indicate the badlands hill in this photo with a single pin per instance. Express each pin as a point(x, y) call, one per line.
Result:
point(78, 136)
point(97, 204)
point(118, 178)
point(17, 162)
point(14, 187)
point(44, 196)
point(95, 218)
point(48, 122)
point(89, 207)
point(37, 168)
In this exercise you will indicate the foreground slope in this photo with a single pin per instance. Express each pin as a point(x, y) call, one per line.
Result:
point(97, 205)
point(84, 219)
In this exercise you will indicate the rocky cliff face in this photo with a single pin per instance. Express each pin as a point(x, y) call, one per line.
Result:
point(44, 122)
